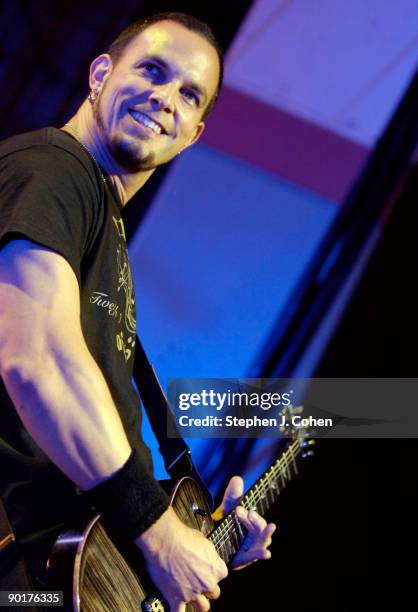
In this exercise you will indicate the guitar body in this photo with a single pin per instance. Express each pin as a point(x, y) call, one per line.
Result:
point(96, 576)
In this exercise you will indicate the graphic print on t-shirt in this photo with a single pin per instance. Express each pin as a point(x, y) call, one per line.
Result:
point(103, 301)
point(125, 283)
point(123, 309)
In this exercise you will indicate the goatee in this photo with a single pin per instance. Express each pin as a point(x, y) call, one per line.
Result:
point(125, 154)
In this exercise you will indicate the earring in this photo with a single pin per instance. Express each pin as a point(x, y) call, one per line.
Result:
point(92, 97)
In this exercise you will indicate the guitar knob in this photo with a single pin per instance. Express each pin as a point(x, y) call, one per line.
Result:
point(198, 511)
point(307, 454)
point(307, 443)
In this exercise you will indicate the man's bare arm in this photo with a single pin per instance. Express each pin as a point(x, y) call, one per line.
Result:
point(55, 384)
point(64, 402)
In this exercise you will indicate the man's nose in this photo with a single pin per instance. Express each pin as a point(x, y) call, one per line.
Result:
point(163, 98)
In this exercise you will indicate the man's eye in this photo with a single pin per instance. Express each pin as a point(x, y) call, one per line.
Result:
point(152, 69)
point(190, 95)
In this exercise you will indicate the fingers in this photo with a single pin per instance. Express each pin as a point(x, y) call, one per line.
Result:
point(201, 603)
point(233, 493)
point(257, 540)
point(235, 489)
point(214, 594)
point(268, 532)
point(223, 570)
point(253, 522)
point(260, 532)
point(244, 557)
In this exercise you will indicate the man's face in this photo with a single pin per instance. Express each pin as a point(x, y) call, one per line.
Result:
point(151, 102)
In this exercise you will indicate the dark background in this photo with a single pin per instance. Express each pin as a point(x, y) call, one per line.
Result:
point(345, 522)
point(336, 529)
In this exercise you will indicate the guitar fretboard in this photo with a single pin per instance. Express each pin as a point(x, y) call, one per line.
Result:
point(228, 536)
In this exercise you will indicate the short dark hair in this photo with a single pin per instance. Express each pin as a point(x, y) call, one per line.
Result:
point(119, 45)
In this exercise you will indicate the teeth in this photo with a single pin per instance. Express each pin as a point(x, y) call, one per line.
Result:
point(146, 121)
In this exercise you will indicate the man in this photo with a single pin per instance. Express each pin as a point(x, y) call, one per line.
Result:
point(70, 428)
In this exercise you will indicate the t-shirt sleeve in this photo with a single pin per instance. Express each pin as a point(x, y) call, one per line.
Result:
point(48, 197)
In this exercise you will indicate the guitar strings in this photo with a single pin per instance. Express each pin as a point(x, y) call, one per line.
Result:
point(230, 524)
point(264, 483)
point(275, 470)
point(228, 528)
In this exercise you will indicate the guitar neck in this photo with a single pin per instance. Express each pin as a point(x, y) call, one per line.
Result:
point(229, 534)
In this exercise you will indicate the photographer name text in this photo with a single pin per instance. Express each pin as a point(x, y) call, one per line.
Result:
point(255, 421)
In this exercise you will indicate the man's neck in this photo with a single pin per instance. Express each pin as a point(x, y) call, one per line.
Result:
point(85, 129)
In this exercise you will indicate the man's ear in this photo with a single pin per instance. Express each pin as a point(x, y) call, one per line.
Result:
point(196, 134)
point(100, 69)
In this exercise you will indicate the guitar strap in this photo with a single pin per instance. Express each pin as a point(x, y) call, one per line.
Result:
point(174, 450)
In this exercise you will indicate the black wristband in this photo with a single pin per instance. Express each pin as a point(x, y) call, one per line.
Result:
point(130, 501)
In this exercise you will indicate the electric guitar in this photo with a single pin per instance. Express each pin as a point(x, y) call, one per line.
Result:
point(97, 576)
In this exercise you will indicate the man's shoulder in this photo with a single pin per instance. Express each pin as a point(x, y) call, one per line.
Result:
point(45, 142)
point(20, 142)
point(47, 151)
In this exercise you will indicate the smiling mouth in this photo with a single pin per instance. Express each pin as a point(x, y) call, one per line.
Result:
point(143, 119)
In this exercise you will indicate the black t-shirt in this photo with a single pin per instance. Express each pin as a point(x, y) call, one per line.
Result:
point(53, 193)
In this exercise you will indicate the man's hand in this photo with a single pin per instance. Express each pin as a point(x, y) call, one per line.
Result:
point(258, 538)
point(182, 563)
